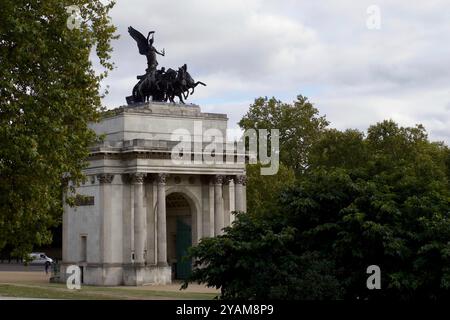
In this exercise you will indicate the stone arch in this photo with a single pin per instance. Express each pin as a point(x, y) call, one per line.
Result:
point(194, 202)
point(182, 211)
point(196, 211)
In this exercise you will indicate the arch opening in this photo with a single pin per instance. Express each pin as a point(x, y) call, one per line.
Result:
point(179, 234)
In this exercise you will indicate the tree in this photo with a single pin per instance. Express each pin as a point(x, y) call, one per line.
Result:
point(49, 93)
point(339, 149)
point(299, 123)
point(256, 259)
point(299, 126)
point(388, 206)
point(391, 210)
point(263, 191)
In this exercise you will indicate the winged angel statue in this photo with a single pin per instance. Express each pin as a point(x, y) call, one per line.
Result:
point(159, 84)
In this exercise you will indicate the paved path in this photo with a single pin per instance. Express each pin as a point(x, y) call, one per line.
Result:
point(175, 287)
point(20, 267)
point(18, 298)
point(18, 273)
point(42, 278)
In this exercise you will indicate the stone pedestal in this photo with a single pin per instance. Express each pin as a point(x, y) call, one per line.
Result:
point(140, 275)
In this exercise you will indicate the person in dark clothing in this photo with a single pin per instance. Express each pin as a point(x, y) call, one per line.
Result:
point(47, 266)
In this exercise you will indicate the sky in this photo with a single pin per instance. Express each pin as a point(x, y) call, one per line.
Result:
point(358, 64)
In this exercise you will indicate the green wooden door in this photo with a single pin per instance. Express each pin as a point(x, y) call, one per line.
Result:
point(183, 242)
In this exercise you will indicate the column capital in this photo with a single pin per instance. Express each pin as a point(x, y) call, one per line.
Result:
point(241, 179)
point(219, 179)
point(137, 177)
point(227, 179)
point(161, 178)
point(105, 177)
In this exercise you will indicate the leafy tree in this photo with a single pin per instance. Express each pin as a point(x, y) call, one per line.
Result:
point(48, 94)
point(339, 149)
point(389, 205)
point(384, 211)
point(263, 191)
point(299, 123)
point(256, 259)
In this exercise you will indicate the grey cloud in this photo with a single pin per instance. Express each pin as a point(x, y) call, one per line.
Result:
point(244, 49)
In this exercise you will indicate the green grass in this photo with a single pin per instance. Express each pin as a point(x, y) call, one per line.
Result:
point(59, 291)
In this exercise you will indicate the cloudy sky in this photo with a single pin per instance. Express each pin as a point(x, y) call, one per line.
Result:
point(244, 49)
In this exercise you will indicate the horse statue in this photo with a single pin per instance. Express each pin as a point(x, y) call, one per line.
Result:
point(159, 84)
point(164, 86)
point(187, 81)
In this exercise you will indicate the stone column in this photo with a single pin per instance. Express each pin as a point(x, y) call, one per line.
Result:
point(105, 180)
point(226, 200)
point(161, 229)
point(207, 206)
point(151, 222)
point(232, 200)
point(218, 205)
point(239, 192)
point(127, 219)
point(211, 207)
point(137, 179)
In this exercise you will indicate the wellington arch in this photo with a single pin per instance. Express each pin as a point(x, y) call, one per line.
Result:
point(139, 210)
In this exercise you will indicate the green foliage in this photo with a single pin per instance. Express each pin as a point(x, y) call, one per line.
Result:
point(299, 123)
point(300, 126)
point(255, 259)
point(380, 199)
point(339, 149)
point(48, 94)
point(385, 211)
point(263, 191)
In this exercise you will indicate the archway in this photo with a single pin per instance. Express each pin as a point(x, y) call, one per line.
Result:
point(179, 234)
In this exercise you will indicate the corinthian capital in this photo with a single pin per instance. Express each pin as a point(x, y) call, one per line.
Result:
point(218, 179)
point(105, 177)
point(226, 180)
point(161, 178)
point(240, 180)
point(137, 177)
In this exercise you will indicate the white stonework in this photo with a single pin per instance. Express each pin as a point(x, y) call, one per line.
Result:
point(124, 231)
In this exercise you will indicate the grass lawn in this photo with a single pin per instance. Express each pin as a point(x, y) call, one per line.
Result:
point(59, 291)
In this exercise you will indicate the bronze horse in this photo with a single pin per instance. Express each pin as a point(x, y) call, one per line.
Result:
point(159, 84)
point(165, 86)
